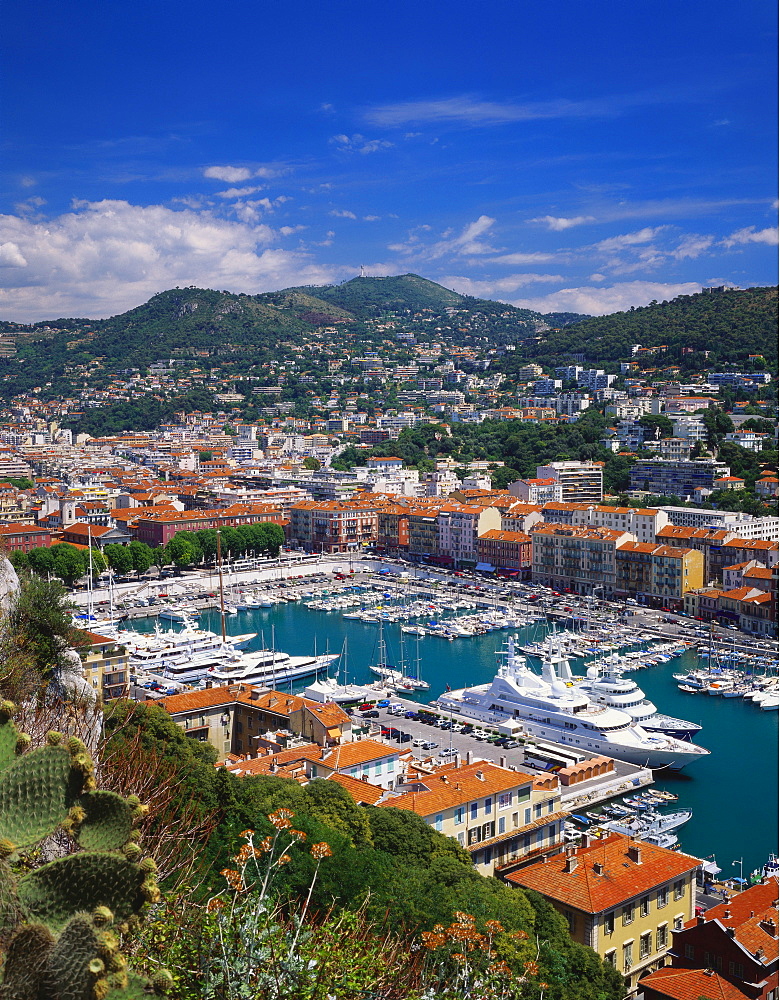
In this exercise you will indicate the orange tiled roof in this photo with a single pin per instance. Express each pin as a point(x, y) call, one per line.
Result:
point(604, 876)
point(462, 784)
point(361, 791)
point(359, 752)
point(691, 984)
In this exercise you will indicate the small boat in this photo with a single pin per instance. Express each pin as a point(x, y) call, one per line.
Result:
point(688, 689)
point(581, 819)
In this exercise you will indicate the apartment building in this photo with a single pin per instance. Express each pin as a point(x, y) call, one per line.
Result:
point(106, 666)
point(509, 551)
point(537, 490)
point(733, 945)
point(620, 897)
point(234, 717)
point(460, 526)
point(498, 815)
point(576, 559)
point(643, 522)
point(157, 528)
point(335, 526)
point(676, 478)
point(23, 537)
point(581, 482)
point(658, 575)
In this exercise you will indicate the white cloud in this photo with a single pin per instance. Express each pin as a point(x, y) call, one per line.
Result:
point(466, 243)
point(523, 258)
point(624, 240)
point(750, 234)
point(289, 230)
point(471, 111)
point(559, 224)
point(342, 213)
point(11, 256)
point(231, 175)
point(601, 301)
point(104, 257)
point(358, 143)
point(238, 192)
point(371, 218)
point(692, 246)
point(499, 287)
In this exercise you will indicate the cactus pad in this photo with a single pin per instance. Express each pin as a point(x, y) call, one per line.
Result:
point(71, 971)
point(9, 737)
point(25, 962)
point(55, 892)
point(36, 792)
point(107, 823)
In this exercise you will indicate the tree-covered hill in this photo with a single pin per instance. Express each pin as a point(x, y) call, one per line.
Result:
point(730, 324)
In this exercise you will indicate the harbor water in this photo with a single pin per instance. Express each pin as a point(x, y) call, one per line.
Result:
point(733, 792)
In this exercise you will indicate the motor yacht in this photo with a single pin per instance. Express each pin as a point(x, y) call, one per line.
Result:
point(549, 705)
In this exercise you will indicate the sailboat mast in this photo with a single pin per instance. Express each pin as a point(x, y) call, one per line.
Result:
point(221, 586)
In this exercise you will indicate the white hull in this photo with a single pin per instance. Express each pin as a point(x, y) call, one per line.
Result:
point(269, 670)
point(550, 707)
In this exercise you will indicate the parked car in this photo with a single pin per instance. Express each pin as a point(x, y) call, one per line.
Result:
point(430, 745)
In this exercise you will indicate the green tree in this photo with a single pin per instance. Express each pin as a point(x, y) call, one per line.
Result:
point(183, 550)
point(69, 564)
point(142, 556)
point(41, 561)
point(119, 558)
point(312, 463)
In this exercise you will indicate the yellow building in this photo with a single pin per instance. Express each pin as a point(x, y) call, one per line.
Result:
point(106, 666)
point(621, 897)
point(499, 816)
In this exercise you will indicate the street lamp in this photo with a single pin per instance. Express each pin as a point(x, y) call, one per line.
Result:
point(740, 863)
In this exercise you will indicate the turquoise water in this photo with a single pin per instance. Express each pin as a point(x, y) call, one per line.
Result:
point(733, 793)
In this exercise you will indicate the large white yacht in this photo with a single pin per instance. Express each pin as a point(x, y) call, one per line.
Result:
point(554, 709)
point(186, 655)
point(267, 667)
point(605, 685)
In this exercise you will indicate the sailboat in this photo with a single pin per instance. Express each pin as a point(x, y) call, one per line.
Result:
point(389, 674)
point(329, 688)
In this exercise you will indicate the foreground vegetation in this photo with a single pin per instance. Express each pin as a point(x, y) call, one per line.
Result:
point(267, 889)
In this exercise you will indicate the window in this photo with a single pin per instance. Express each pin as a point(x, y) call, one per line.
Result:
point(527, 817)
point(661, 937)
point(678, 921)
point(609, 922)
point(474, 810)
point(570, 920)
point(644, 906)
point(488, 806)
point(461, 839)
point(390, 766)
point(502, 824)
point(611, 957)
point(645, 945)
point(663, 897)
point(679, 888)
point(459, 815)
point(504, 800)
point(439, 822)
point(515, 819)
point(628, 914)
point(690, 952)
point(628, 955)
point(736, 969)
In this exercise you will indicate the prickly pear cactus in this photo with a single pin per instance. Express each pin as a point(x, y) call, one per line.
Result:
point(55, 919)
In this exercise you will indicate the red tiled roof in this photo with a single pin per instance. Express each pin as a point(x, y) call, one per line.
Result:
point(690, 984)
point(605, 874)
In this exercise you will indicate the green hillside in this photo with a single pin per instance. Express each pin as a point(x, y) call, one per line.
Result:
point(366, 297)
point(729, 324)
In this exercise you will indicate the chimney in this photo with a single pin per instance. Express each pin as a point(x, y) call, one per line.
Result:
point(598, 868)
point(731, 931)
point(480, 776)
point(635, 853)
point(571, 864)
point(502, 761)
point(727, 913)
point(469, 756)
point(769, 926)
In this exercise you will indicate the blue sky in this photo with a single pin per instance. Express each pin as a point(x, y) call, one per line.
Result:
point(568, 155)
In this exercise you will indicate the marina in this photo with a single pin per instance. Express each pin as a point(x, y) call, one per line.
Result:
point(712, 787)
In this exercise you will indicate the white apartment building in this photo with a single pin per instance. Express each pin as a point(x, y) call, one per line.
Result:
point(582, 482)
